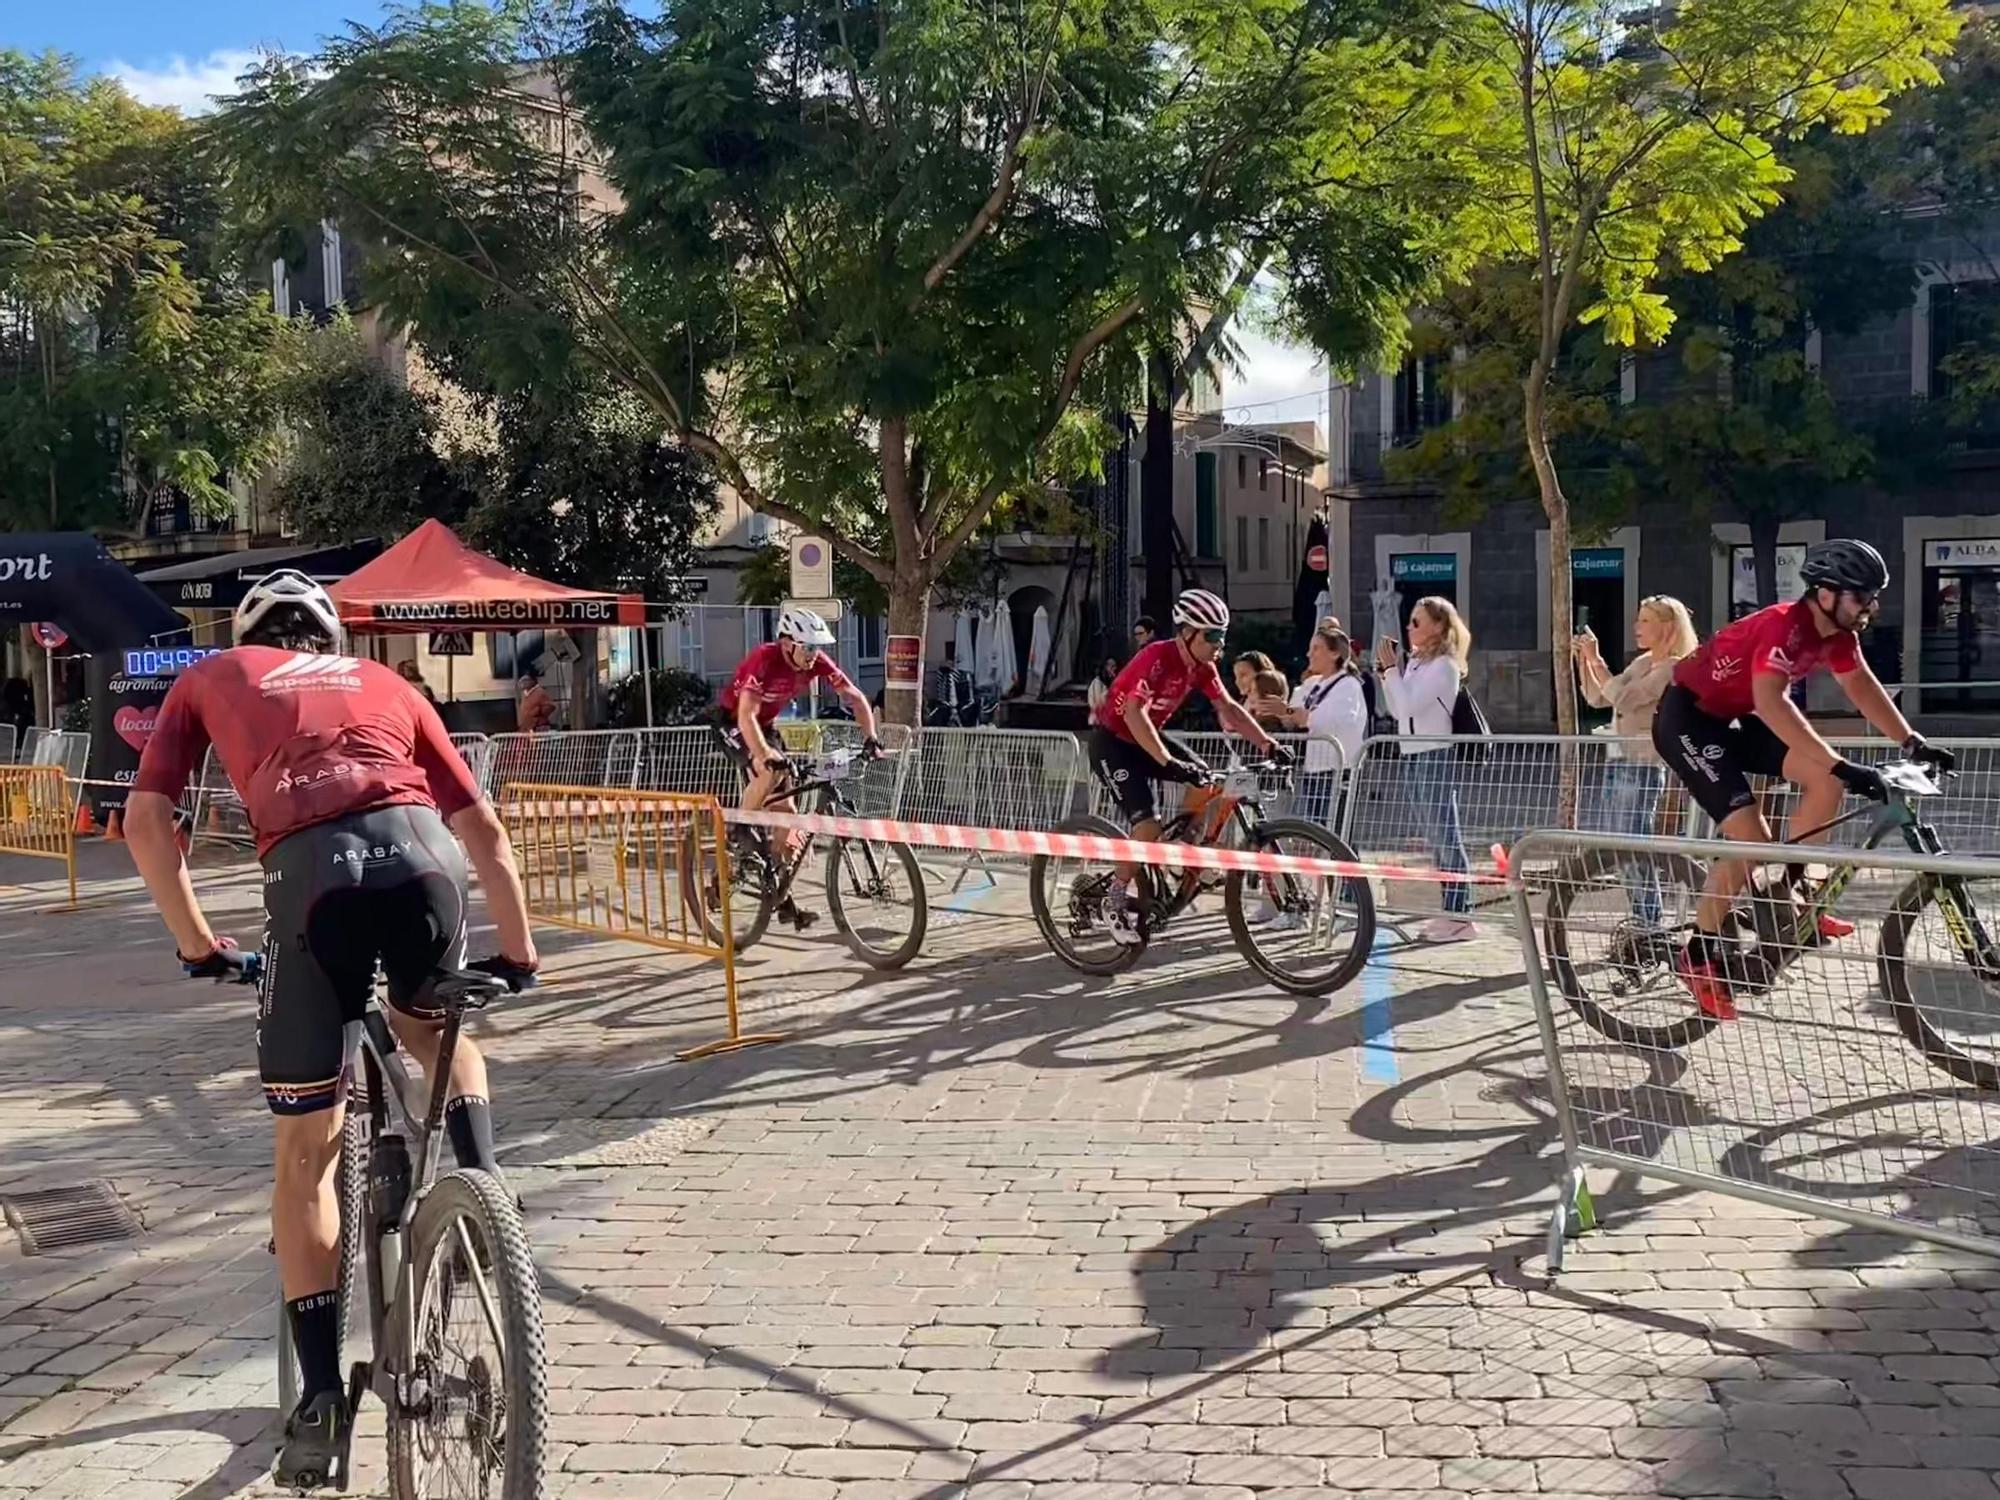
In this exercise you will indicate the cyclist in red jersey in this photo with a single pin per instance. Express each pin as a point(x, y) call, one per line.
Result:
point(1729, 716)
point(771, 676)
point(355, 793)
point(1129, 752)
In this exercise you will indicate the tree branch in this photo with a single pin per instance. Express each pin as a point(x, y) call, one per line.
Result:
point(1106, 329)
point(719, 453)
point(1010, 171)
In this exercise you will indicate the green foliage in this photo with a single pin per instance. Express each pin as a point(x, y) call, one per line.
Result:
point(131, 363)
point(678, 698)
point(880, 265)
point(368, 454)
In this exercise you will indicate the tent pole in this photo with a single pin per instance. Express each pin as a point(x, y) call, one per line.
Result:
point(646, 665)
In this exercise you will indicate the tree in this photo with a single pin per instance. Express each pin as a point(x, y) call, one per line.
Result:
point(1643, 144)
point(882, 265)
point(132, 363)
point(585, 490)
point(367, 454)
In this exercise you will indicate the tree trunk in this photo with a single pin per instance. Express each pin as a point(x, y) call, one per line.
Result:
point(909, 614)
point(1156, 495)
point(38, 677)
point(1764, 527)
point(1555, 506)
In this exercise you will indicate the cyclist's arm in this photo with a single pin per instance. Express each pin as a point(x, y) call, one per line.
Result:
point(752, 729)
point(1865, 691)
point(1232, 715)
point(479, 829)
point(1145, 732)
point(1782, 717)
point(149, 830)
point(863, 710)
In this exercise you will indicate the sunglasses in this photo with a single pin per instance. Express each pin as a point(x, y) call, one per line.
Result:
point(1215, 637)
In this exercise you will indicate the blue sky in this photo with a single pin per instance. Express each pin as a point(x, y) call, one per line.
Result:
point(182, 53)
point(175, 53)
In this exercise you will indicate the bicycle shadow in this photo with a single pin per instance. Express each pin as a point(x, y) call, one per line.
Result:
point(1233, 1280)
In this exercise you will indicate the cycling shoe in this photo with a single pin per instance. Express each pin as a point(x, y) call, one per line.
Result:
point(316, 1441)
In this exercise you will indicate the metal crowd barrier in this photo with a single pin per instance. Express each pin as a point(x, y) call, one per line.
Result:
point(628, 864)
point(1860, 1086)
point(215, 813)
point(10, 741)
point(68, 750)
point(478, 752)
point(38, 816)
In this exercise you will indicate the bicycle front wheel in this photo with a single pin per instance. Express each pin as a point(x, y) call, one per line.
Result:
point(876, 894)
point(1946, 1002)
point(750, 899)
point(1071, 900)
point(478, 1420)
point(1307, 934)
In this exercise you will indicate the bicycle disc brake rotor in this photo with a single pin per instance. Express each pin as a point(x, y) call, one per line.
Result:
point(461, 1433)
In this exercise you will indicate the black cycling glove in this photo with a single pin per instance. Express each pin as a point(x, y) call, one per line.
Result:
point(1863, 781)
point(1282, 755)
point(1924, 753)
point(1187, 772)
point(871, 749)
point(504, 968)
point(225, 961)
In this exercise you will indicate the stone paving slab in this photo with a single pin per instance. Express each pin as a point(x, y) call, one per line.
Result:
point(985, 1231)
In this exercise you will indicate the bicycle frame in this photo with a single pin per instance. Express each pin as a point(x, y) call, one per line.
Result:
point(1240, 800)
point(371, 1043)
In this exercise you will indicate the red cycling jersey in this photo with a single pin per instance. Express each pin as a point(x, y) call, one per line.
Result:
point(305, 739)
point(772, 682)
point(1781, 640)
point(1160, 676)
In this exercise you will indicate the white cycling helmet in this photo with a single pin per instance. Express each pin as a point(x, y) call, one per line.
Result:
point(803, 626)
point(285, 587)
point(1202, 610)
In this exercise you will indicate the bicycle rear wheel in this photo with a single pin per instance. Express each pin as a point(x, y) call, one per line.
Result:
point(876, 894)
point(1308, 935)
point(1947, 1007)
point(1616, 974)
point(1071, 901)
point(478, 1425)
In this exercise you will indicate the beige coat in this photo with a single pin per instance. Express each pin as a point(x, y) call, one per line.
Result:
point(1632, 695)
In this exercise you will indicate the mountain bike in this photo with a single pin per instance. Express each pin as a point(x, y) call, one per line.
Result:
point(453, 1303)
point(1772, 926)
point(874, 890)
point(1306, 935)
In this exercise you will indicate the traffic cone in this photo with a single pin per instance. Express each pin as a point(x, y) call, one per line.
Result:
point(114, 833)
point(85, 823)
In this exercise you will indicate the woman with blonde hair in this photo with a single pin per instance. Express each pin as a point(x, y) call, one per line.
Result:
point(1421, 692)
point(1628, 799)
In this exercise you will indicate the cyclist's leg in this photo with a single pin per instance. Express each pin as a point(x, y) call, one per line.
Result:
point(302, 1013)
point(1127, 774)
point(1820, 796)
point(417, 910)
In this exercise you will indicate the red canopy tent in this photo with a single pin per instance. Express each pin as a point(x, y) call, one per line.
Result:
point(430, 580)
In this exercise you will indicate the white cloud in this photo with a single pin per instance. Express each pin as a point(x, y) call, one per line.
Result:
point(189, 85)
point(1281, 382)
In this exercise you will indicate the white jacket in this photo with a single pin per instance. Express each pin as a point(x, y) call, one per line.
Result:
point(1420, 694)
point(1336, 711)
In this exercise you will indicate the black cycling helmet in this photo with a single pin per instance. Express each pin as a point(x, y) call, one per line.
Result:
point(1844, 563)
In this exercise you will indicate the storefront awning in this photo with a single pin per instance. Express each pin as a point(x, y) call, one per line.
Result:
point(221, 582)
point(431, 581)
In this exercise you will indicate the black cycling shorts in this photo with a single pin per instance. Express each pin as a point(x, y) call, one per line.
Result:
point(1128, 772)
point(385, 886)
point(1715, 758)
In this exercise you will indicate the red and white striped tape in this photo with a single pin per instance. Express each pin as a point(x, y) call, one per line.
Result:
point(1091, 846)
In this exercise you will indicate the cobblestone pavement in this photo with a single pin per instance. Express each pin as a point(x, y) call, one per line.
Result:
point(984, 1231)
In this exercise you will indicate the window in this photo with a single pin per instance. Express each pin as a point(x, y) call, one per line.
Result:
point(1264, 543)
point(281, 288)
point(1743, 576)
point(1263, 473)
point(1422, 399)
point(1207, 510)
point(1962, 314)
point(330, 283)
point(1242, 543)
point(1242, 471)
point(871, 627)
